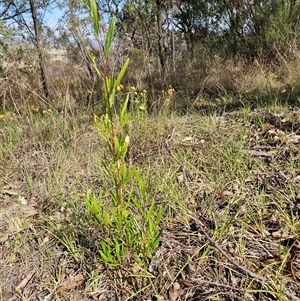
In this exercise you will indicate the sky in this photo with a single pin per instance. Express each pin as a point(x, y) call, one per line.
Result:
point(53, 16)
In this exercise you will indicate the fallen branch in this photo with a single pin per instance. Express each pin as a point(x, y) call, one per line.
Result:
point(240, 267)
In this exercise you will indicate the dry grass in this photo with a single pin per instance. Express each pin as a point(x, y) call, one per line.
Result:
point(235, 176)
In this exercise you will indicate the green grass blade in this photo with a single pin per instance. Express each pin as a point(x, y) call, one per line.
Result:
point(150, 212)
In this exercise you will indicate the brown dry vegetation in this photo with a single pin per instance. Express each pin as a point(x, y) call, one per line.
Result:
point(214, 131)
point(232, 176)
point(222, 158)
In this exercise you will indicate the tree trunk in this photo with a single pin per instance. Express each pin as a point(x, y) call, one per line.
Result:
point(160, 36)
point(38, 47)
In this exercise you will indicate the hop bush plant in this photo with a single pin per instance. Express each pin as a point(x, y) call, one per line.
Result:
point(128, 238)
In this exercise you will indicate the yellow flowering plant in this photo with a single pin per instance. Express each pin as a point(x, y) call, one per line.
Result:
point(167, 95)
point(138, 100)
point(131, 225)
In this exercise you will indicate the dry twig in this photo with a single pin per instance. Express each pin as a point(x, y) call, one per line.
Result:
point(240, 267)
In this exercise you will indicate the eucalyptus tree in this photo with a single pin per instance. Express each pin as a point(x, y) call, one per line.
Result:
point(74, 34)
point(11, 9)
point(35, 36)
point(26, 17)
point(259, 29)
point(194, 20)
point(146, 23)
point(275, 26)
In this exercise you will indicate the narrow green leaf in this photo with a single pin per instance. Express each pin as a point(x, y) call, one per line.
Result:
point(103, 246)
point(148, 187)
point(106, 217)
point(109, 37)
point(111, 99)
point(126, 214)
point(150, 212)
point(114, 199)
point(118, 218)
point(107, 124)
point(123, 151)
point(117, 248)
point(131, 173)
point(121, 73)
point(124, 108)
point(85, 4)
point(159, 215)
point(139, 180)
point(93, 61)
point(123, 173)
point(105, 258)
point(125, 120)
point(156, 240)
point(93, 206)
point(128, 237)
point(137, 204)
point(107, 84)
point(95, 16)
point(117, 144)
